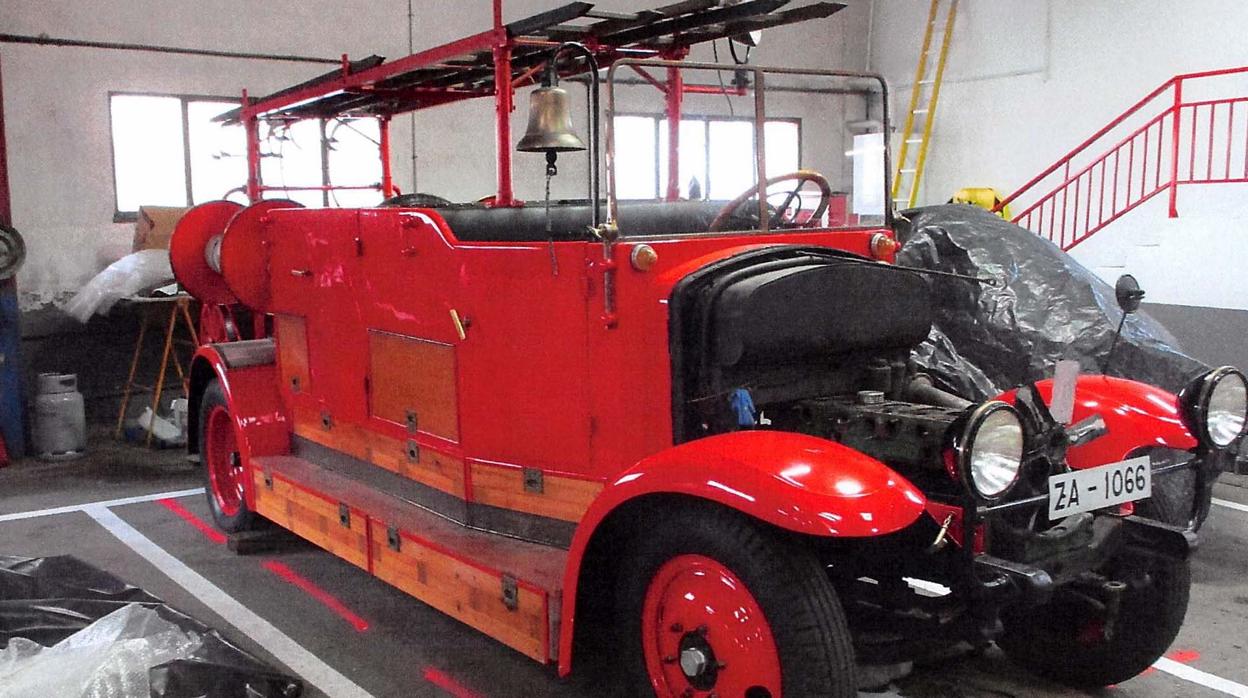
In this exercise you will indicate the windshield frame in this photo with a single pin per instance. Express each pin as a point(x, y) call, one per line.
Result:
point(759, 88)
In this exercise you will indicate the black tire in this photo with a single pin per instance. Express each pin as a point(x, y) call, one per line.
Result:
point(244, 519)
point(1174, 501)
point(1047, 640)
point(791, 587)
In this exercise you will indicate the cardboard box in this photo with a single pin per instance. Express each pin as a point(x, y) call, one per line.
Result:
point(155, 226)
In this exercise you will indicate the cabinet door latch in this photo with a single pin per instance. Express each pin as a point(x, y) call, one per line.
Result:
point(511, 593)
point(533, 481)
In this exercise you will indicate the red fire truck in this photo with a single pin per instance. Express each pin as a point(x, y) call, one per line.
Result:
point(693, 423)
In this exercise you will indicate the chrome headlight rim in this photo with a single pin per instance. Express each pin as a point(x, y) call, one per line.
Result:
point(1195, 400)
point(964, 448)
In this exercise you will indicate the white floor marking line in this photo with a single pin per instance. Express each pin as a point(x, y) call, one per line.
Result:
point(1205, 679)
point(277, 643)
point(1230, 505)
point(108, 503)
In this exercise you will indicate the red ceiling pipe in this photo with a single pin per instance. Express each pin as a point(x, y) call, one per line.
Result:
point(675, 94)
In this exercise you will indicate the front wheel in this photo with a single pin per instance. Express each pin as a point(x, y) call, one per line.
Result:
point(714, 603)
point(224, 475)
point(1071, 640)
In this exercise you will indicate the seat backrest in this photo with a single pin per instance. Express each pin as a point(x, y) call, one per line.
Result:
point(570, 221)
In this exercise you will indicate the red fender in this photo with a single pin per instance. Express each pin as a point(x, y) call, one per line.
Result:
point(1137, 415)
point(797, 482)
point(260, 418)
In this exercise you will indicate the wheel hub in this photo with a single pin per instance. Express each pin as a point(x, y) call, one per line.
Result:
point(693, 663)
point(697, 661)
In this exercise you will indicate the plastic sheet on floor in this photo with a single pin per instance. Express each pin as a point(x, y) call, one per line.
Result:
point(69, 629)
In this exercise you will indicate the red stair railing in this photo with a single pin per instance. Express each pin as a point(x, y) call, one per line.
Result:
point(1189, 141)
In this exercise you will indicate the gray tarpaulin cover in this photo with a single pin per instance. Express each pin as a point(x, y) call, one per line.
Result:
point(987, 340)
point(70, 630)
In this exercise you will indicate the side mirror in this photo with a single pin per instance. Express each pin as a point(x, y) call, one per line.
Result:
point(1128, 293)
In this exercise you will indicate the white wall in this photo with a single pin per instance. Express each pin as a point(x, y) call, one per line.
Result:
point(1028, 80)
point(56, 100)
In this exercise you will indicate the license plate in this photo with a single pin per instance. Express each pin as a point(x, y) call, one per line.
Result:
point(1096, 488)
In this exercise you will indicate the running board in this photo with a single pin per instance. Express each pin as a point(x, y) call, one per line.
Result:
point(506, 588)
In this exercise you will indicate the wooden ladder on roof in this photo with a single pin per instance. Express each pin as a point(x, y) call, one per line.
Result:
point(917, 134)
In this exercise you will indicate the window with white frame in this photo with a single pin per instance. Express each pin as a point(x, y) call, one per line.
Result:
point(716, 159)
point(169, 151)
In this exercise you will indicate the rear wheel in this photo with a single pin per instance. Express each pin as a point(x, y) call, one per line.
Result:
point(224, 475)
point(1070, 640)
point(713, 603)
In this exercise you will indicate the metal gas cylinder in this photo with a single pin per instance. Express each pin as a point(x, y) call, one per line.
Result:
point(60, 420)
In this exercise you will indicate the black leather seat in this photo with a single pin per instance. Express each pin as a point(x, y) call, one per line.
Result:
point(570, 221)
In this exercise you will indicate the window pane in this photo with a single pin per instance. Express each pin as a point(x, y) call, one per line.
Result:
point(149, 165)
point(218, 152)
point(732, 158)
point(354, 161)
point(635, 168)
point(783, 147)
point(292, 157)
point(692, 156)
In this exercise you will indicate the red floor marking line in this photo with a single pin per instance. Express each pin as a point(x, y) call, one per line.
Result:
point(292, 577)
point(448, 684)
point(213, 534)
point(1180, 656)
point(1183, 656)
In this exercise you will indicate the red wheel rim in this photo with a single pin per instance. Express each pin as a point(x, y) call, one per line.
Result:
point(225, 468)
point(703, 632)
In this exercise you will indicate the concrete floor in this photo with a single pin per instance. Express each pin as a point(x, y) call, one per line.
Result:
point(408, 649)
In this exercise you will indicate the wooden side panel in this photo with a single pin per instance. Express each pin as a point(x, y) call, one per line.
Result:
point(292, 352)
point(314, 518)
point(407, 374)
point(465, 592)
point(429, 467)
point(351, 439)
point(561, 498)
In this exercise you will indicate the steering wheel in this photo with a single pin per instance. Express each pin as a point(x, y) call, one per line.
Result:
point(729, 210)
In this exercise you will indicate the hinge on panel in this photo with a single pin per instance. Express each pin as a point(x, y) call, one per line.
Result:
point(411, 421)
point(268, 479)
point(294, 384)
point(511, 593)
point(393, 538)
point(368, 386)
point(327, 421)
point(344, 515)
point(359, 247)
point(413, 451)
point(533, 481)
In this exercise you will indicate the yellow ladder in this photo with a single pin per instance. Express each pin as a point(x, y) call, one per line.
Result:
point(923, 96)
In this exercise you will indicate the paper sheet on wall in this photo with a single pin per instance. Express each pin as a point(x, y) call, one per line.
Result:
point(868, 155)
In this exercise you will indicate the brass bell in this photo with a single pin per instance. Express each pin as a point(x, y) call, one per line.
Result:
point(550, 123)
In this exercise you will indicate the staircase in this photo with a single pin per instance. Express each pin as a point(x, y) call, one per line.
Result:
point(924, 94)
point(1193, 129)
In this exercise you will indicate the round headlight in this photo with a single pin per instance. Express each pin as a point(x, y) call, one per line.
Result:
point(1221, 404)
point(991, 449)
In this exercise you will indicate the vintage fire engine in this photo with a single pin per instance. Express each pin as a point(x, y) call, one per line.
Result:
point(693, 422)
